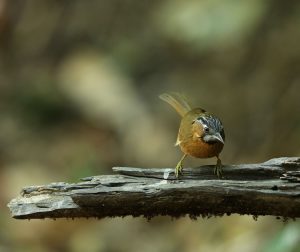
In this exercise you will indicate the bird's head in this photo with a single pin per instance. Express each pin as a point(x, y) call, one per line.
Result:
point(213, 131)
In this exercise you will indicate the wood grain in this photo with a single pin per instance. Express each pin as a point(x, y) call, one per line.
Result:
point(269, 188)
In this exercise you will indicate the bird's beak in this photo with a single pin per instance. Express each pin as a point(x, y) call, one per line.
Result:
point(217, 137)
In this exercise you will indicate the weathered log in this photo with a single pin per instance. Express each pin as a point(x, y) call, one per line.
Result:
point(269, 188)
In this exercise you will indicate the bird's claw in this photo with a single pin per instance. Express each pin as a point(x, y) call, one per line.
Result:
point(218, 169)
point(178, 169)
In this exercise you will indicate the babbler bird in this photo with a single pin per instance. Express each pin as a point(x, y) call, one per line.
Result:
point(200, 135)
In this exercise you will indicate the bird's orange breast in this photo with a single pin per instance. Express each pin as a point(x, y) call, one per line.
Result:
point(199, 149)
point(190, 141)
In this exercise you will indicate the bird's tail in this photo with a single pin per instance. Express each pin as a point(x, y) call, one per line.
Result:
point(177, 101)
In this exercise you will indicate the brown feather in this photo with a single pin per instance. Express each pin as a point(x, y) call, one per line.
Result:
point(189, 137)
point(177, 101)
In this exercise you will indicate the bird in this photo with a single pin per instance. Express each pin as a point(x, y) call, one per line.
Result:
point(201, 134)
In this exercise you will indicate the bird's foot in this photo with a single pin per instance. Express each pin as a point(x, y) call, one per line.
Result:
point(218, 169)
point(178, 168)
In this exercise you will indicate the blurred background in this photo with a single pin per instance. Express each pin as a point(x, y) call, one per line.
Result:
point(79, 86)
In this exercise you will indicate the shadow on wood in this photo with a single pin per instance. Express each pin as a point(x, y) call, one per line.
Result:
point(269, 188)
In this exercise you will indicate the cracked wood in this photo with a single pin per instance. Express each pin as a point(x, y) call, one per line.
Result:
point(269, 188)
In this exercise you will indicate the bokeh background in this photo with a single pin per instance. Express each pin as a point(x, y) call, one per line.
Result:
point(79, 86)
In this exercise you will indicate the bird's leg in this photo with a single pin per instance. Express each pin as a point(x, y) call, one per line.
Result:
point(179, 167)
point(218, 168)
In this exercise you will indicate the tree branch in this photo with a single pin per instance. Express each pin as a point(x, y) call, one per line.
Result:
point(270, 188)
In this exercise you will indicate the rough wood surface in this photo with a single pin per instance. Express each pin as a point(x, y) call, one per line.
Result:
point(269, 188)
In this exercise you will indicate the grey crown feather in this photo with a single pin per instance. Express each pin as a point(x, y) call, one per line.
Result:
point(212, 122)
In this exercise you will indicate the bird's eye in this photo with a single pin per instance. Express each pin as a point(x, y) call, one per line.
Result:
point(206, 129)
